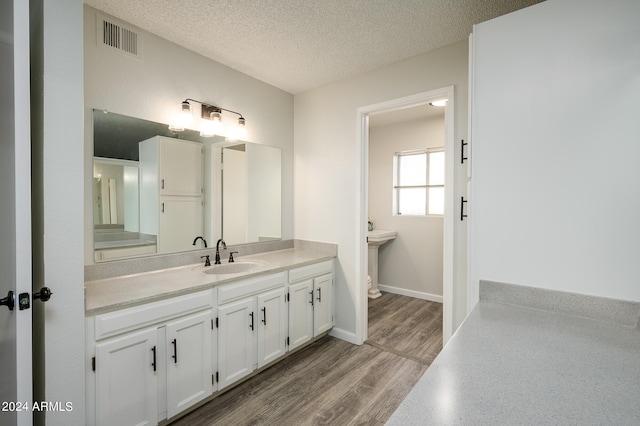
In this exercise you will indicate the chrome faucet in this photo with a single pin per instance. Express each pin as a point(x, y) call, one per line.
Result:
point(200, 238)
point(224, 247)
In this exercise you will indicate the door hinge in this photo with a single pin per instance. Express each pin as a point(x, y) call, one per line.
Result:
point(93, 363)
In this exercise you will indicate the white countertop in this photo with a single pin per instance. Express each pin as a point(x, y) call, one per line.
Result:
point(516, 365)
point(115, 293)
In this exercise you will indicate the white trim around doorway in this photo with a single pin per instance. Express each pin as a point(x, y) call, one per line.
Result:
point(362, 172)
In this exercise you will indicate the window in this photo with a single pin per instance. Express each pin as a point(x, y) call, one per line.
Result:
point(418, 186)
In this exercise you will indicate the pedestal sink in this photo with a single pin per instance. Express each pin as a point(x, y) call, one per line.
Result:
point(375, 239)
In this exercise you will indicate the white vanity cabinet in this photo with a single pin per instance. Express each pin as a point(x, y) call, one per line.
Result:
point(189, 374)
point(171, 192)
point(150, 362)
point(126, 379)
point(310, 302)
point(252, 321)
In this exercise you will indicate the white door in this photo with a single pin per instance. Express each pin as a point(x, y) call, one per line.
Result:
point(127, 379)
point(236, 340)
point(15, 214)
point(188, 361)
point(300, 313)
point(272, 326)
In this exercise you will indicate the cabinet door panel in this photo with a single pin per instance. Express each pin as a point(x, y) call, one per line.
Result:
point(323, 304)
point(181, 220)
point(272, 326)
point(181, 167)
point(126, 384)
point(188, 361)
point(300, 313)
point(236, 340)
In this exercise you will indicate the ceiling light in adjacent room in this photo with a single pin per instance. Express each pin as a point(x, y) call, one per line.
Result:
point(439, 103)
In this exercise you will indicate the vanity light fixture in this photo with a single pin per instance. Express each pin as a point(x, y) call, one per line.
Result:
point(184, 119)
point(211, 121)
point(439, 103)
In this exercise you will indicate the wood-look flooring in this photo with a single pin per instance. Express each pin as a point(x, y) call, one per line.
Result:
point(332, 382)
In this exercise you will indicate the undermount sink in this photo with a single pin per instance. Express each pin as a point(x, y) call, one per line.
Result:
point(233, 268)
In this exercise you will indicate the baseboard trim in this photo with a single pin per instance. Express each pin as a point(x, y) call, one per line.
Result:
point(410, 293)
point(343, 335)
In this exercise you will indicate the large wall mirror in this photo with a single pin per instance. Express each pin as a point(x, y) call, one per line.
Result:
point(155, 190)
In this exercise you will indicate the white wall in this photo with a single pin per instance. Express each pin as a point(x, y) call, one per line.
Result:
point(154, 87)
point(554, 200)
point(325, 199)
point(413, 261)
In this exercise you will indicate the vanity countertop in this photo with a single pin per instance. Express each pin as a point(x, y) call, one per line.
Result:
point(510, 364)
point(115, 293)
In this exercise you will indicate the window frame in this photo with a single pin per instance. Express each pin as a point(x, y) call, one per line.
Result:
point(426, 187)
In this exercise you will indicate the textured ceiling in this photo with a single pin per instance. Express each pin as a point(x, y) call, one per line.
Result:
point(297, 45)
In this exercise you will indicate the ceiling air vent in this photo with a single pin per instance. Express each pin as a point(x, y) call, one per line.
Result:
point(115, 35)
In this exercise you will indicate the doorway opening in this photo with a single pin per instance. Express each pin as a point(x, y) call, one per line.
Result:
point(364, 116)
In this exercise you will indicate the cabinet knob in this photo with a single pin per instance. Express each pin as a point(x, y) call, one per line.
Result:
point(44, 294)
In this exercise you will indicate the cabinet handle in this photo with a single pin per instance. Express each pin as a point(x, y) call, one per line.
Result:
point(264, 315)
point(462, 203)
point(153, 349)
point(311, 293)
point(251, 315)
point(462, 145)
point(175, 351)
point(162, 184)
point(162, 207)
point(319, 294)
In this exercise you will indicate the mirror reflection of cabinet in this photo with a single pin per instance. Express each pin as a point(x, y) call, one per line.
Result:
point(117, 139)
point(171, 192)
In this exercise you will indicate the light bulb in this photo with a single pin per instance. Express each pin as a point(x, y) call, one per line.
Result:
point(183, 120)
point(213, 126)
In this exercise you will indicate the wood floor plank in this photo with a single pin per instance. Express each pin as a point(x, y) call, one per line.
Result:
point(332, 382)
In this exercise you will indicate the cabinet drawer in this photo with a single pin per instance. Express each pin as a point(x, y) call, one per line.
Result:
point(117, 322)
point(309, 271)
point(244, 288)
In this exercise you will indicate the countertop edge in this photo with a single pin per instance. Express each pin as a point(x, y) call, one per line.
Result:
point(213, 280)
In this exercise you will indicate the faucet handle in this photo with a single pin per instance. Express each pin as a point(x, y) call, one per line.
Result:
point(207, 262)
point(231, 256)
